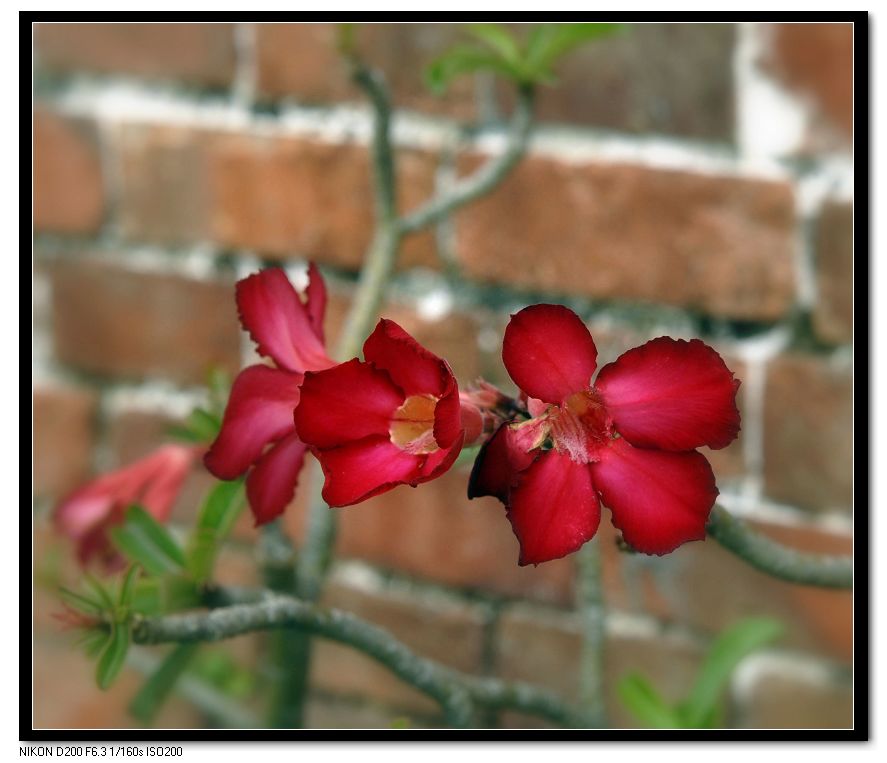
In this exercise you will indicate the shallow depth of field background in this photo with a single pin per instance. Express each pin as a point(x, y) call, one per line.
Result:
point(686, 179)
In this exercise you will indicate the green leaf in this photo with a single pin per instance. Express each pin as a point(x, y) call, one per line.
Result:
point(500, 40)
point(102, 595)
point(127, 586)
point(200, 426)
point(114, 655)
point(215, 520)
point(144, 540)
point(725, 654)
point(159, 686)
point(81, 603)
point(465, 59)
point(645, 703)
point(550, 42)
point(160, 595)
point(94, 641)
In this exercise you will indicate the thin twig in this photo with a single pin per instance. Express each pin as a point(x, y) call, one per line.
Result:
point(457, 693)
point(775, 559)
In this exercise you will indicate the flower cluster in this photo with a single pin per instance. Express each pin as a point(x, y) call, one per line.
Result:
point(553, 456)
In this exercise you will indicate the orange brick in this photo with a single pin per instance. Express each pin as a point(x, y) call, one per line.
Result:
point(833, 312)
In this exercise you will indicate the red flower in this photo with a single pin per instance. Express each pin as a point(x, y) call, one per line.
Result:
point(628, 441)
point(391, 420)
point(152, 482)
point(260, 409)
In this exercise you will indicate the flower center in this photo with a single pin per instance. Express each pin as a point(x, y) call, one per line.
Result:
point(412, 425)
point(580, 426)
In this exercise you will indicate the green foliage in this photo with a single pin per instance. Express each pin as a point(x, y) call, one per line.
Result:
point(142, 539)
point(220, 670)
point(113, 654)
point(157, 689)
point(217, 516)
point(201, 426)
point(525, 62)
point(702, 708)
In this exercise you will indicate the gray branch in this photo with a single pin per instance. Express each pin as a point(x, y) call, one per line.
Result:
point(775, 559)
point(457, 693)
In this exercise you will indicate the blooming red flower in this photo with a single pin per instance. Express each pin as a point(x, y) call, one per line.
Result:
point(628, 441)
point(393, 419)
point(260, 408)
point(152, 482)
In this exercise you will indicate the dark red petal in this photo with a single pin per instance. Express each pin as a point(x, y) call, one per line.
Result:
point(448, 417)
point(497, 465)
point(671, 394)
point(260, 411)
point(440, 461)
point(549, 352)
point(365, 468)
point(270, 309)
point(271, 485)
point(315, 300)
point(553, 509)
point(659, 499)
point(345, 403)
point(414, 369)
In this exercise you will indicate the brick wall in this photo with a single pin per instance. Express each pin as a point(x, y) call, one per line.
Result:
point(693, 180)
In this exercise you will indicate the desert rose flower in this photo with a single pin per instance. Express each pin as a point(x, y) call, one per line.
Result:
point(258, 435)
point(152, 482)
point(629, 441)
point(393, 419)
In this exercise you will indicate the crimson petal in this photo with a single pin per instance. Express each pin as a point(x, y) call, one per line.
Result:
point(448, 416)
point(440, 461)
point(270, 487)
point(553, 509)
point(270, 309)
point(414, 369)
point(659, 499)
point(362, 469)
point(549, 352)
point(260, 410)
point(315, 300)
point(671, 394)
point(497, 465)
point(344, 403)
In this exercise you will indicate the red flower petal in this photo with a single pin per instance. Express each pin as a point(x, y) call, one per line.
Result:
point(554, 509)
point(413, 368)
point(260, 410)
point(271, 486)
point(362, 469)
point(270, 309)
point(171, 466)
point(344, 403)
point(671, 394)
point(549, 352)
point(497, 465)
point(448, 416)
point(440, 461)
point(315, 300)
point(659, 499)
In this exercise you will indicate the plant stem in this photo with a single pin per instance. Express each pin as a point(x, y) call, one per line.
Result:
point(457, 693)
point(775, 559)
point(592, 611)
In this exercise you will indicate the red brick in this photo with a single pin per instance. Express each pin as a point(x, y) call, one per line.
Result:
point(816, 60)
point(719, 245)
point(301, 61)
point(115, 322)
point(808, 435)
point(634, 82)
point(69, 192)
point(64, 435)
point(450, 634)
point(296, 197)
point(833, 313)
point(199, 54)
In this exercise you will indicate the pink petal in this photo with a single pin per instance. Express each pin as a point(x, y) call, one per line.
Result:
point(497, 465)
point(260, 411)
point(414, 369)
point(553, 509)
point(548, 352)
point(365, 468)
point(344, 403)
point(659, 499)
point(315, 300)
point(271, 485)
point(448, 417)
point(671, 394)
point(171, 464)
point(270, 309)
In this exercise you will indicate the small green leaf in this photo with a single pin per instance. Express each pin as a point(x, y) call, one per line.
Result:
point(114, 655)
point(81, 603)
point(144, 540)
point(725, 654)
point(465, 59)
point(102, 595)
point(127, 586)
point(94, 641)
point(500, 40)
point(201, 426)
point(215, 520)
point(159, 595)
point(160, 684)
point(645, 703)
point(550, 42)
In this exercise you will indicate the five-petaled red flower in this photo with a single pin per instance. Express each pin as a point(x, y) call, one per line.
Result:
point(152, 482)
point(629, 441)
point(260, 409)
point(393, 419)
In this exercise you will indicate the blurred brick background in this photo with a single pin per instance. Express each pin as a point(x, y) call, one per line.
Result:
point(693, 180)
